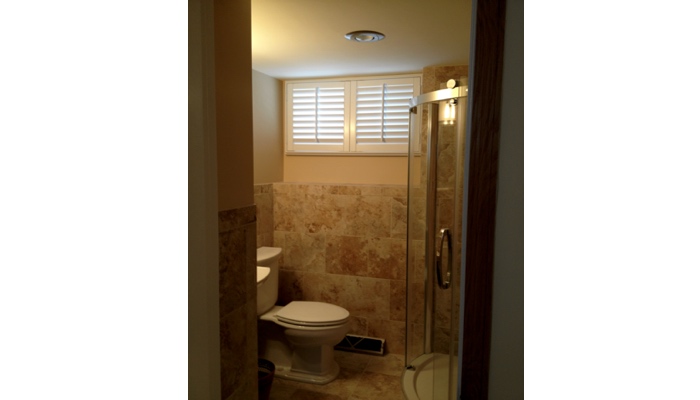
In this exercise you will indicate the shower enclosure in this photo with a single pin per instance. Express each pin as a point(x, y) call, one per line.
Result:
point(436, 168)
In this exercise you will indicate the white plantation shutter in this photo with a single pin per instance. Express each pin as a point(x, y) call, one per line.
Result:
point(381, 114)
point(349, 117)
point(317, 116)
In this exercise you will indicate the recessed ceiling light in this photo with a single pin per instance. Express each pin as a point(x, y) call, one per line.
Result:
point(364, 36)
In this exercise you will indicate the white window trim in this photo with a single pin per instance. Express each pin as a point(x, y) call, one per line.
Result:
point(349, 146)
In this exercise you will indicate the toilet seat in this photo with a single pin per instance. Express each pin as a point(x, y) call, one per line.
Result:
point(312, 314)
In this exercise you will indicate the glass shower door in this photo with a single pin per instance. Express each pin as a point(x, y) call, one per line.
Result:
point(434, 241)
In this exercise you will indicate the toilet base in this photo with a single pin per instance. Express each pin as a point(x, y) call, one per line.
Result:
point(301, 362)
point(286, 372)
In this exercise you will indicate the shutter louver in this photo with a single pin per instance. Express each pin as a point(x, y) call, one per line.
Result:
point(318, 115)
point(382, 113)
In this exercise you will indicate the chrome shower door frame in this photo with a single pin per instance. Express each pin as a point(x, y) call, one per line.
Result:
point(433, 255)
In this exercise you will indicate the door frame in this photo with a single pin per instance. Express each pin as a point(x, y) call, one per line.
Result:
point(484, 111)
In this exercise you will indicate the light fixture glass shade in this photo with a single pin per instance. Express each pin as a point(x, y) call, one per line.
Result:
point(447, 112)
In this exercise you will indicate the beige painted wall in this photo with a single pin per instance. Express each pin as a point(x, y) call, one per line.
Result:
point(234, 104)
point(268, 145)
point(346, 169)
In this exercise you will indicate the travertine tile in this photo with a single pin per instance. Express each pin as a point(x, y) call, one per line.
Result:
point(346, 255)
point(375, 386)
point(314, 258)
point(346, 190)
point(445, 215)
point(416, 308)
point(303, 394)
point(369, 216)
point(394, 191)
point(415, 340)
point(231, 219)
point(304, 251)
point(352, 361)
point(358, 325)
point(441, 340)
point(386, 258)
point(417, 209)
point(237, 302)
point(321, 214)
point(319, 189)
point(447, 152)
point(371, 257)
point(342, 386)
point(251, 268)
point(388, 364)
point(278, 240)
point(238, 344)
point(232, 344)
point(397, 300)
point(282, 187)
point(394, 332)
point(289, 287)
point(280, 390)
point(417, 266)
point(371, 190)
point(434, 76)
point(265, 239)
point(343, 207)
point(443, 308)
point(232, 270)
point(399, 221)
point(289, 209)
point(264, 207)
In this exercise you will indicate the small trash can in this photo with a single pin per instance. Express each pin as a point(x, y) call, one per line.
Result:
point(266, 372)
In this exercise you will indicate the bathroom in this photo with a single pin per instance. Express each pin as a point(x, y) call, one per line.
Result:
point(377, 197)
point(339, 220)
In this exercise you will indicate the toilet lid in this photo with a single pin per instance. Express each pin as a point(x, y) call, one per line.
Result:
point(312, 313)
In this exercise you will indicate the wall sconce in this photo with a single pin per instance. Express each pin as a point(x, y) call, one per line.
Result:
point(447, 112)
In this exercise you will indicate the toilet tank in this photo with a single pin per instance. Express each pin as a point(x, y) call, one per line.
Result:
point(268, 290)
point(269, 256)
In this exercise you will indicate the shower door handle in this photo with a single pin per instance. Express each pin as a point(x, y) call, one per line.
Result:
point(444, 283)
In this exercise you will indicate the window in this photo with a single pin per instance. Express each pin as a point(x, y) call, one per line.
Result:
point(353, 116)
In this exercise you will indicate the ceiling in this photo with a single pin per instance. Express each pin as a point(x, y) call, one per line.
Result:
point(294, 39)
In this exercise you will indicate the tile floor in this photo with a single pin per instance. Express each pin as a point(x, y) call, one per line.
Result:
point(362, 377)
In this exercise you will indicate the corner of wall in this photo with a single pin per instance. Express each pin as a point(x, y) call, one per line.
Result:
point(237, 303)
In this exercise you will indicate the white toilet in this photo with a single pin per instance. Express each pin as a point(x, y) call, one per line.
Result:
point(299, 337)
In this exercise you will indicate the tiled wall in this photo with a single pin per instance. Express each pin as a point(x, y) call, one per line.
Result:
point(264, 212)
point(237, 304)
point(342, 244)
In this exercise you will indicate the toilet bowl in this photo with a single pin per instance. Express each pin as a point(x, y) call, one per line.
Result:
point(298, 337)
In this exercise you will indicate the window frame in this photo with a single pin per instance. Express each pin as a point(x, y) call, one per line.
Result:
point(350, 145)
